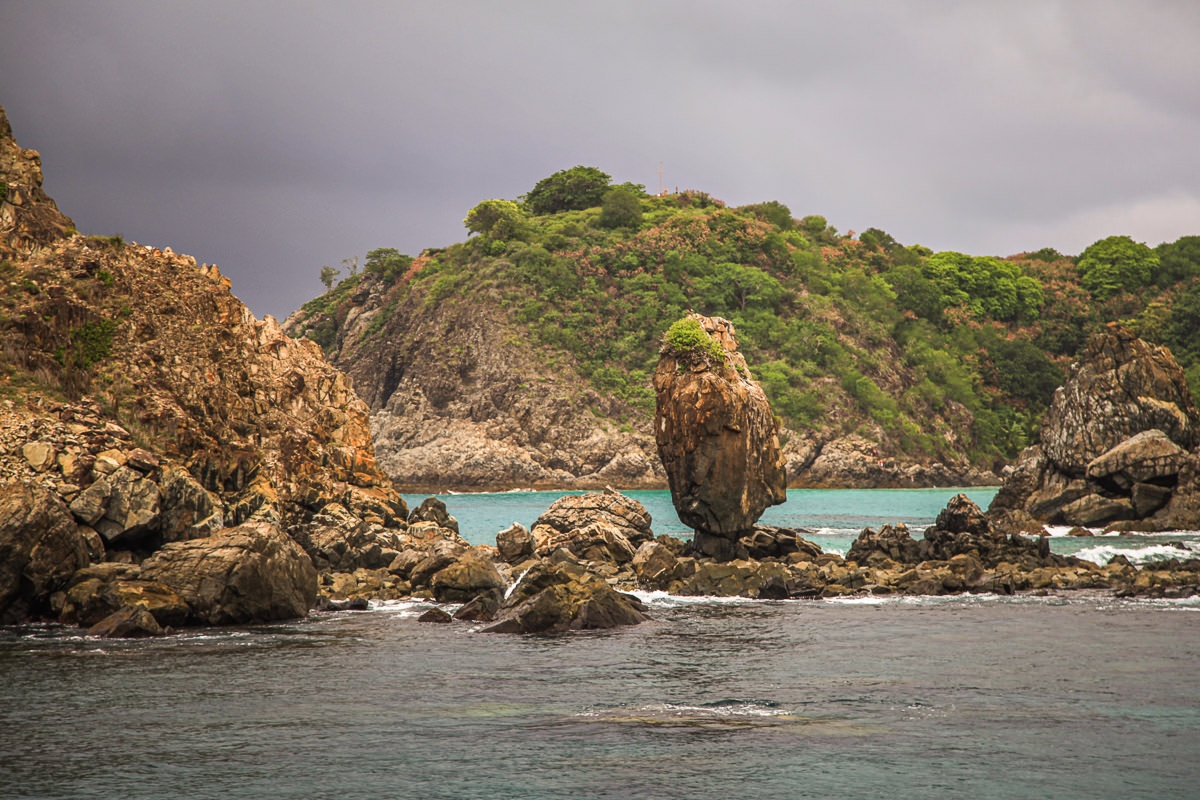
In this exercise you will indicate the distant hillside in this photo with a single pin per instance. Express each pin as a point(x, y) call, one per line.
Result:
point(522, 355)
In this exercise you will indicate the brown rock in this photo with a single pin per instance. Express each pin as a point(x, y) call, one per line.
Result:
point(470, 575)
point(716, 436)
point(434, 510)
point(553, 598)
point(435, 615)
point(39, 455)
point(40, 548)
point(891, 542)
point(598, 526)
point(655, 565)
point(515, 543)
point(128, 622)
point(251, 573)
point(1146, 457)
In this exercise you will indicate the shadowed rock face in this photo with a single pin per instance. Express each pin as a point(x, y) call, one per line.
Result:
point(716, 436)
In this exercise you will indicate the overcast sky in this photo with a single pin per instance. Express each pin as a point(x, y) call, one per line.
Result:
point(274, 137)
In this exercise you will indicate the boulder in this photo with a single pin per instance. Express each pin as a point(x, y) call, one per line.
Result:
point(40, 549)
point(715, 432)
point(655, 565)
point(554, 598)
point(598, 526)
point(127, 622)
point(435, 615)
point(434, 510)
point(472, 574)
point(99, 590)
point(514, 543)
point(133, 509)
point(251, 573)
point(1146, 457)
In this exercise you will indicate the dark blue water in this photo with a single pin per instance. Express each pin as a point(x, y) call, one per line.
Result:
point(909, 698)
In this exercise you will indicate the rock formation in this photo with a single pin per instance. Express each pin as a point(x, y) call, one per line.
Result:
point(598, 526)
point(716, 436)
point(1117, 444)
point(152, 426)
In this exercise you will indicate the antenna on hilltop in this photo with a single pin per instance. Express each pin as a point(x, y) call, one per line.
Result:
point(660, 184)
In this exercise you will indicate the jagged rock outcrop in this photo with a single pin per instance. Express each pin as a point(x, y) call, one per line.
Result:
point(598, 526)
point(29, 219)
point(1117, 444)
point(148, 418)
point(557, 597)
point(716, 436)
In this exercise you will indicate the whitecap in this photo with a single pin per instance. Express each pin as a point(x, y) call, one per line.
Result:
point(1101, 553)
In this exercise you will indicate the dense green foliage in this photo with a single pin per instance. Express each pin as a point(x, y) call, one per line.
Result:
point(1116, 264)
point(571, 189)
point(927, 353)
point(688, 339)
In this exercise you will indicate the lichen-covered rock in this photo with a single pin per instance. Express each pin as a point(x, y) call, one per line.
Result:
point(716, 435)
point(434, 510)
point(40, 548)
point(892, 542)
point(598, 526)
point(126, 623)
point(251, 573)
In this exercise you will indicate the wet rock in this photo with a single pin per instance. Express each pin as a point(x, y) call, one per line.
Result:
point(481, 608)
point(102, 589)
point(890, 542)
point(515, 543)
point(251, 573)
point(656, 565)
point(40, 548)
point(554, 598)
point(470, 575)
point(716, 435)
point(435, 615)
point(433, 561)
point(126, 623)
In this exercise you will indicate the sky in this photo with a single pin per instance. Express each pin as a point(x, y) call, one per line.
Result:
point(273, 138)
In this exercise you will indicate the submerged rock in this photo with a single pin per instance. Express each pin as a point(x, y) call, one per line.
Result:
point(716, 435)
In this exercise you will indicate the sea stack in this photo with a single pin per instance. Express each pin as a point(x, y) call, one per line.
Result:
point(1117, 443)
point(716, 435)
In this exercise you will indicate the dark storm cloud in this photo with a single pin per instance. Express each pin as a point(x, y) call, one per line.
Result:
point(272, 138)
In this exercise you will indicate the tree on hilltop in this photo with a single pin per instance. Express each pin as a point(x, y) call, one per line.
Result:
point(571, 189)
point(1114, 264)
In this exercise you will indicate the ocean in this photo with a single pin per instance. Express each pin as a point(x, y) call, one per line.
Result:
point(976, 696)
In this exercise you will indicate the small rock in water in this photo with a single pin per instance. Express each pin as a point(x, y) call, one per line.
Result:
point(435, 615)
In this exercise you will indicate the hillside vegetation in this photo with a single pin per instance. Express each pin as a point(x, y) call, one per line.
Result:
point(932, 357)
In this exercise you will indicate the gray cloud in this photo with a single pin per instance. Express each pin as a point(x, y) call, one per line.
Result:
point(272, 138)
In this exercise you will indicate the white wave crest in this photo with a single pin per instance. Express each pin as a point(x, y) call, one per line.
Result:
point(1101, 553)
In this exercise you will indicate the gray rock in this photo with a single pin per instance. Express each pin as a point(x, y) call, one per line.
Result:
point(133, 510)
point(188, 510)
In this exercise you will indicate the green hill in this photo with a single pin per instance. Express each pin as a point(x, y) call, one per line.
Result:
point(936, 362)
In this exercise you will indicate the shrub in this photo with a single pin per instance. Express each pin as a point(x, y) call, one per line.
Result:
point(688, 339)
point(571, 189)
point(1114, 264)
point(620, 208)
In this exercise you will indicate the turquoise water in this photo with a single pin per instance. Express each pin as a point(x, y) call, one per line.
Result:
point(834, 518)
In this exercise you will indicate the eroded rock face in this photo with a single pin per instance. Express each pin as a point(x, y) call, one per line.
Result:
point(716, 436)
point(1118, 444)
point(28, 217)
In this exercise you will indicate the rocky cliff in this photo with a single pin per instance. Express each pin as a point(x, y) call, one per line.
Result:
point(150, 421)
point(460, 399)
point(1118, 444)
